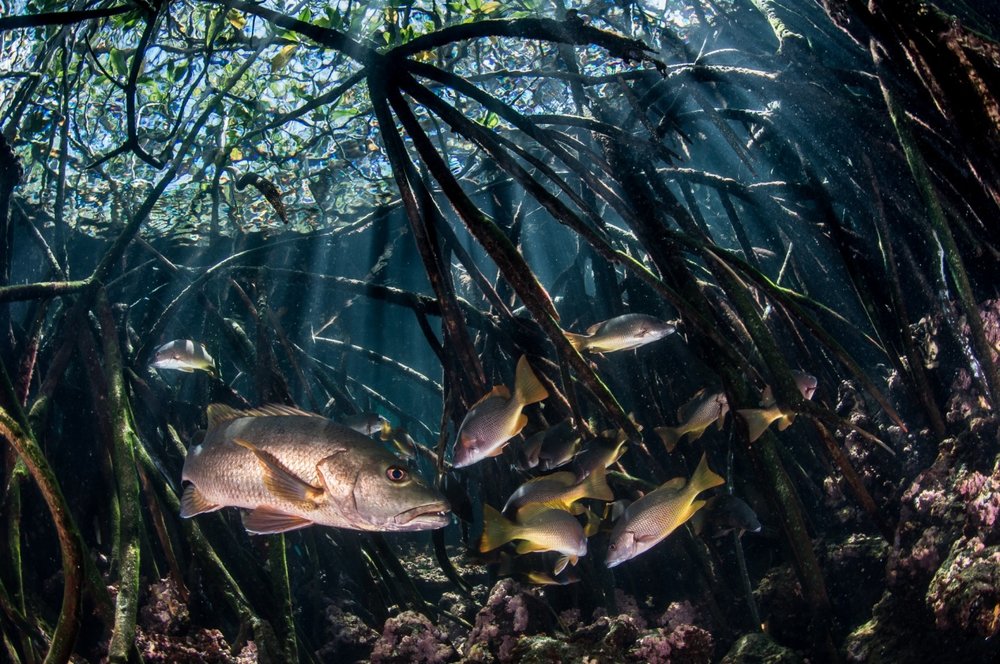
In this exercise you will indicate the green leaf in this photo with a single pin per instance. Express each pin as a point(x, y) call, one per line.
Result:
point(119, 63)
point(281, 59)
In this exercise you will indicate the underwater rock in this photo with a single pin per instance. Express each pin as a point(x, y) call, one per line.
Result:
point(684, 644)
point(759, 648)
point(410, 638)
point(942, 599)
point(783, 607)
point(508, 613)
point(164, 633)
point(854, 569)
point(349, 638)
point(965, 592)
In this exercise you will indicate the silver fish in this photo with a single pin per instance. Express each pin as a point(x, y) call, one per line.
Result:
point(497, 417)
point(704, 409)
point(650, 519)
point(623, 332)
point(294, 469)
point(183, 355)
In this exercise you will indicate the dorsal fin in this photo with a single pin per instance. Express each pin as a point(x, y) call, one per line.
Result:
point(497, 391)
point(220, 412)
point(592, 330)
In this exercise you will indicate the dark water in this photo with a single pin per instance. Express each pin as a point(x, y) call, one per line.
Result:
point(747, 171)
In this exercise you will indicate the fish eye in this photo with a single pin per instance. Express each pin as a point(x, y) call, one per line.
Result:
point(396, 473)
point(612, 547)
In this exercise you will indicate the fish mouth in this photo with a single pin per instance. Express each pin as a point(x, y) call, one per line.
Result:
point(429, 516)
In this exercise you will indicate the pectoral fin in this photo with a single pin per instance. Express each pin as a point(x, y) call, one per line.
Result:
point(192, 503)
point(280, 481)
point(267, 521)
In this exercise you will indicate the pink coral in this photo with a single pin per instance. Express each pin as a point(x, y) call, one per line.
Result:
point(411, 637)
point(965, 592)
point(678, 613)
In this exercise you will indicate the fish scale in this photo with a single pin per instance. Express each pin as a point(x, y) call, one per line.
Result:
point(296, 469)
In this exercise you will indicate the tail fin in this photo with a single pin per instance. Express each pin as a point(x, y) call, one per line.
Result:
point(670, 436)
point(759, 419)
point(786, 421)
point(596, 486)
point(527, 388)
point(578, 341)
point(704, 478)
point(497, 530)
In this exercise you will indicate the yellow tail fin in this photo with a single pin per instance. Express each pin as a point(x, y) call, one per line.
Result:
point(786, 421)
point(527, 388)
point(578, 341)
point(759, 419)
point(497, 530)
point(596, 486)
point(670, 436)
point(704, 477)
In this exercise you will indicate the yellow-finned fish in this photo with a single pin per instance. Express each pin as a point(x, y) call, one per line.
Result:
point(294, 469)
point(558, 491)
point(704, 409)
point(184, 355)
point(660, 512)
point(623, 332)
point(600, 453)
point(759, 419)
point(544, 530)
point(497, 417)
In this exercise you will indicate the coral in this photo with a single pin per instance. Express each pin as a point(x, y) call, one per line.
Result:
point(965, 592)
point(349, 638)
point(411, 638)
point(509, 612)
point(678, 613)
point(165, 611)
point(684, 643)
point(164, 633)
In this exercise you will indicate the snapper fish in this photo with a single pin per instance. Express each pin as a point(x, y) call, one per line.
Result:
point(759, 419)
point(497, 417)
point(544, 530)
point(647, 521)
point(703, 410)
point(724, 514)
point(293, 469)
point(558, 491)
point(624, 332)
point(184, 355)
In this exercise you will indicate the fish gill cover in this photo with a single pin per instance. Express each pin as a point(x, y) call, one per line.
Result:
point(275, 265)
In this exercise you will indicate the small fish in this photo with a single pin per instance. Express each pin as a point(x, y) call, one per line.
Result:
point(402, 443)
point(623, 332)
point(558, 491)
point(545, 530)
point(497, 417)
point(759, 419)
point(601, 453)
point(294, 469)
point(184, 355)
point(704, 409)
point(724, 514)
point(366, 423)
point(660, 512)
point(552, 447)
point(530, 569)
